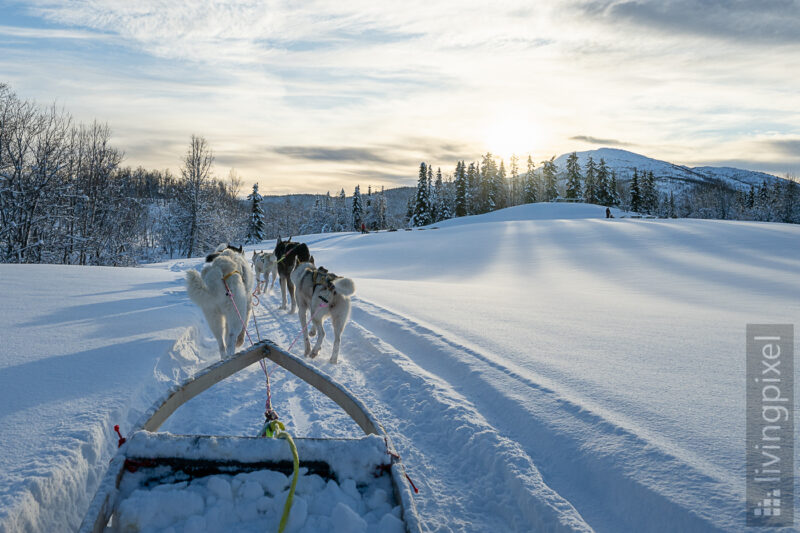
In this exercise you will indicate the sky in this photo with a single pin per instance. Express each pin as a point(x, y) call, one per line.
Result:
point(315, 96)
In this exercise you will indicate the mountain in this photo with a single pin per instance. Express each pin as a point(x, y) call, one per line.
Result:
point(669, 176)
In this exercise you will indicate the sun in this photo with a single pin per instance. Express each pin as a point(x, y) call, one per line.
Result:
point(508, 137)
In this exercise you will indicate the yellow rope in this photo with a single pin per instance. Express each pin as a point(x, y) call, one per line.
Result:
point(279, 430)
point(226, 276)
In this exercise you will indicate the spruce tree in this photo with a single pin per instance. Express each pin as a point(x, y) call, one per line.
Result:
point(789, 202)
point(256, 229)
point(613, 193)
point(358, 210)
point(472, 189)
point(421, 215)
point(603, 184)
point(341, 212)
point(438, 199)
point(649, 193)
point(636, 194)
point(381, 218)
point(590, 188)
point(573, 177)
point(529, 193)
point(500, 188)
point(461, 190)
point(672, 213)
point(515, 190)
point(549, 172)
point(487, 186)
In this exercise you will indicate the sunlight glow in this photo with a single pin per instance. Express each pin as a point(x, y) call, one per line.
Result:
point(512, 137)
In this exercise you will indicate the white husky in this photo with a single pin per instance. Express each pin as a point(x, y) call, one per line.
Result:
point(265, 263)
point(207, 290)
point(322, 294)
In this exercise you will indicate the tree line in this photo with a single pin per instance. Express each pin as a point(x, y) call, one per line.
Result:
point(483, 186)
point(66, 198)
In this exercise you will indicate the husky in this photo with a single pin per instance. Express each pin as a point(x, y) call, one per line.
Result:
point(264, 264)
point(227, 265)
point(323, 295)
point(289, 255)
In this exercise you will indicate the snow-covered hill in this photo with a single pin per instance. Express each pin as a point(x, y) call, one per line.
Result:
point(542, 368)
point(668, 175)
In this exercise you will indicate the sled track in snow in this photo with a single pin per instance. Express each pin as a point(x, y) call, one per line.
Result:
point(459, 465)
point(489, 448)
point(532, 425)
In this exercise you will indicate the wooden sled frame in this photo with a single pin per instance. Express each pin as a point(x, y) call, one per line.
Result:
point(100, 509)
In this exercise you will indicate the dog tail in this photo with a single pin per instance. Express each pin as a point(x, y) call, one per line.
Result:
point(195, 286)
point(344, 286)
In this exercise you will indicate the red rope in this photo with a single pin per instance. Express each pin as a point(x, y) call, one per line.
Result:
point(323, 304)
point(230, 295)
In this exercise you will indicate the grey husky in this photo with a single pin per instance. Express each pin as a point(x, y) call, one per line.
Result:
point(322, 294)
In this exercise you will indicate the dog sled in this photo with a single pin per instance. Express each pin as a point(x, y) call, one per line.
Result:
point(152, 469)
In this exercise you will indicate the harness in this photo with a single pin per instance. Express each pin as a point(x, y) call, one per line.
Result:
point(226, 276)
point(322, 277)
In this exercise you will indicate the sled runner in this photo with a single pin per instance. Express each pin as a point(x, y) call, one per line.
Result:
point(149, 460)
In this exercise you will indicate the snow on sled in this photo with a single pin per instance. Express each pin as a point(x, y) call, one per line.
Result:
point(164, 482)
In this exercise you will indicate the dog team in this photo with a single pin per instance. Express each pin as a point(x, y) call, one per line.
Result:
point(225, 288)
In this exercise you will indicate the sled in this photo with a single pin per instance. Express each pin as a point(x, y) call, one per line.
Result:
point(149, 458)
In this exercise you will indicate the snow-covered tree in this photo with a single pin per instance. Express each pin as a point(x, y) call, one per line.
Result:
point(603, 184)
point(462, 191)
point(590, 185)
point(422, 209)
point(549, 176)
point(636, 193)
point(529, 190)
point(613, 192)
point(515, 190)
point(573, 177)
point(473, 180)
point(381, 220)
point(255, 231)
point(358, 210)
point(342, 216)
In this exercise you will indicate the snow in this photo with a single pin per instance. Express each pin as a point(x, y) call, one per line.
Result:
point(538, 368)
point(669, 176)
point(160, 499)
point(349, 458)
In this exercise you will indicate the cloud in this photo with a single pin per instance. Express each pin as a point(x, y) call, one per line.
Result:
point(50, 33)
point(769, 22)
point(597, 140)
point(331, 153)
point(790, 147)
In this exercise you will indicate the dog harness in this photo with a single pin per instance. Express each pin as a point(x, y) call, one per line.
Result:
point(327, 278)
point(226, 276)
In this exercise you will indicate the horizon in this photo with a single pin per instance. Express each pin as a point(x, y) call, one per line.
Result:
point(326, 96)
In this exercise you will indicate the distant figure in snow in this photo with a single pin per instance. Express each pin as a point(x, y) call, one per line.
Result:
point(608, 213)
point(363, 228)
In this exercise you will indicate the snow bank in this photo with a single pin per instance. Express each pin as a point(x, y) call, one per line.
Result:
point(538, 211)
point(83, 348)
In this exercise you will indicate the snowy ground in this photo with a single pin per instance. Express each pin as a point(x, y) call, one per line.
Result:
point(537, 368)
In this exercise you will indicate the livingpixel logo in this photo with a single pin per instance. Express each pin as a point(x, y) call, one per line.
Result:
point(770, 425)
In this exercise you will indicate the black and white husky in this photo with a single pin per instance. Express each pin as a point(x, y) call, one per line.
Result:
point(207, 289)
point(264, 264)
point(290, 254)
point(323, 295)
